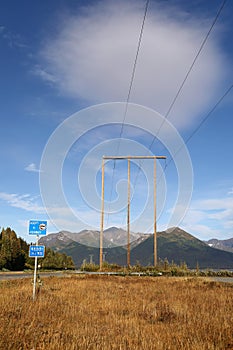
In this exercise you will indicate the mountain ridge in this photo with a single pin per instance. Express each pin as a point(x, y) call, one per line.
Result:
point(112, 237)
point(222, 244)
point(173, 244)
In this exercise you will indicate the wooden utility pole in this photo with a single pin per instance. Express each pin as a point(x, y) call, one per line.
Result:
point(128, 206)
point(155, 228)
point(128, 217)
point(102, 218)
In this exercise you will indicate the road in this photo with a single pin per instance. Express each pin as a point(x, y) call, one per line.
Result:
point(20, 275)
point(222, 279)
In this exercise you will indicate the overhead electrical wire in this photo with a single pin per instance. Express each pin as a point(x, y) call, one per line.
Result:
point(190, 68)
point(129, 94)
point(183, 83)
point(134, 68)
point(208, 115)
point(176, 95)
point(201, 123)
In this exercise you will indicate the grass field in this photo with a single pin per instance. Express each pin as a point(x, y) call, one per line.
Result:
point(112, 312)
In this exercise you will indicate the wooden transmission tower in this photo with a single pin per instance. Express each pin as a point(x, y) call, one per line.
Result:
point(128, 206)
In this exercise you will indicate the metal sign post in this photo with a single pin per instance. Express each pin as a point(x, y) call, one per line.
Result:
point(35, 272)
point(36, 251)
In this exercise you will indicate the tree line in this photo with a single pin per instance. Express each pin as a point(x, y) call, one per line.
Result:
point(14, 254)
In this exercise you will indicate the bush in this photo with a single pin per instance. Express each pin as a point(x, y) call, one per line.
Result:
point(89, 267)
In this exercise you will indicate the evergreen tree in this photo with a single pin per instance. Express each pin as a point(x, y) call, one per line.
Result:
point(14, 254)
point(6, 255)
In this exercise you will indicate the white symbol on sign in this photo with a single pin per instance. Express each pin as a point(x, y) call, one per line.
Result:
point(42, 227)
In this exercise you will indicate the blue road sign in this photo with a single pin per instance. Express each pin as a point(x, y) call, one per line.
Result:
point(37, 227)
point(36, 251)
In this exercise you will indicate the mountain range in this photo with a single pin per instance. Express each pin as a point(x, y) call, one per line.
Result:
point(173, 244)
point(224, 244)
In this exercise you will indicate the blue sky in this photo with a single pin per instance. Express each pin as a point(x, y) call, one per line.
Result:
point(65, 74)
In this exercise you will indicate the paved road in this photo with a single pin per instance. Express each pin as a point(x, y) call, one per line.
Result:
point(20, 275)
point(223, 279)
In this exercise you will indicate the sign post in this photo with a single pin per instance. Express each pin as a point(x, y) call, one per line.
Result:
point(35, 273)
point(36, 251)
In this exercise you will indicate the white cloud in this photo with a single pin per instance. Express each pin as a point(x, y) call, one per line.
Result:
point(32, 167)
point(13, 39)
point(230, 192)
point(25, 202)
point(203, 232)
point(214, 204)
point(43, 74)
point(64, 219)
point(91, 57)
point(209, 218)
point(223, 214)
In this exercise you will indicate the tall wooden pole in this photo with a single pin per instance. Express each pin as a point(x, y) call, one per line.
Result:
point(128, 214)
point(155, 229)
point(128, 217)
point(102, 218)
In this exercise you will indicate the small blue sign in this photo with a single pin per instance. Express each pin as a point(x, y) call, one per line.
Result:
point(36, 251)
point(37, 227)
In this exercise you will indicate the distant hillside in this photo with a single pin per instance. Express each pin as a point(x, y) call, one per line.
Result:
point(113, 237)
point(174, 244)
point(56, 241)
point(177, 245)
point(225, 244)
point(84, 245)
point(80, 252)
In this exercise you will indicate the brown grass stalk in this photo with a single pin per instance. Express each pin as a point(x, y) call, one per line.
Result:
point(112, 312)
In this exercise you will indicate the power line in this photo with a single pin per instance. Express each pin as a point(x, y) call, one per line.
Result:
point(134, 68)
point(208, 115)
point(178, 93)
point(129, 94)
point(202, 121)
point(183, 82)
point(192, 65)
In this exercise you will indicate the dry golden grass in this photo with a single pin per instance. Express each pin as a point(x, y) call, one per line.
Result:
point(112, 312)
